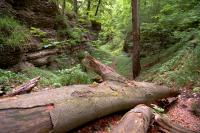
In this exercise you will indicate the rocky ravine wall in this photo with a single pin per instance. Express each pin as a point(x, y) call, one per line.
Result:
point(36, 13)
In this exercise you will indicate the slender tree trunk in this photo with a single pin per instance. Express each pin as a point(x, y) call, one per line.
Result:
point(75, 7)
point(63, 7)
point(88, 7)
point(97, 9)
point(136, 39)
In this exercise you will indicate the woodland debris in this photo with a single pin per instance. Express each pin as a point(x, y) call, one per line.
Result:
point(25, 88)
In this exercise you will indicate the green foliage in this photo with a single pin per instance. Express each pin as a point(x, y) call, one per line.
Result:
point(158, 109)
point(123, 65)
point(37, 32)
point(12, 32)
point(196, 89)
point(7, 78)
point(73, 76)
point(63, 77)
point(180, 70)
point(101, 55)
point(48, 78)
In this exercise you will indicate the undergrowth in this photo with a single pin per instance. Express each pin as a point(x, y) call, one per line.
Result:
point(12, 33)
point(74, 75)
point(8, 78)
point(180, 70)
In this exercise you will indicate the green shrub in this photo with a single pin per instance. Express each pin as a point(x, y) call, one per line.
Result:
point(59, 78)
point(48, 78)
point(12, 32)
point(73, 76)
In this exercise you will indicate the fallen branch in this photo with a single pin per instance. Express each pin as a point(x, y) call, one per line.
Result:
point(25, 88)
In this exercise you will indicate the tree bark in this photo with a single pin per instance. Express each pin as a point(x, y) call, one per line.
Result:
point(97, 9)
point(136, 120)
point(66, 108)
point(136, 39)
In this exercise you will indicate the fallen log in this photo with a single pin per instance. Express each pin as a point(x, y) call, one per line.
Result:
point(66, 108)
point(136, 120)
point(25, 88)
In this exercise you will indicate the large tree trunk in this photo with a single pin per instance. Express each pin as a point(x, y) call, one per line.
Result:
point(61, 110)
point(136, 39)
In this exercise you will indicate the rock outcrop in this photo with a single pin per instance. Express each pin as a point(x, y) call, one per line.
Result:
point(37, 13)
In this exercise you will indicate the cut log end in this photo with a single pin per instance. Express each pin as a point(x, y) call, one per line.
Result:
point(136, 120)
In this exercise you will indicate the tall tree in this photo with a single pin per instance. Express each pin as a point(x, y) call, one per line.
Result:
point(136, 39)
point(75, 7)
point(88, 6)
point(63, 7)
point(97, 9)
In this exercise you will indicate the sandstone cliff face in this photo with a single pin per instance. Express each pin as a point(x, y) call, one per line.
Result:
point(32, 13)
point(37, 13)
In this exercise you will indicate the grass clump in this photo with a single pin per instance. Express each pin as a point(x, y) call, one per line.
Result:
point(12, 33)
